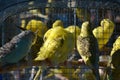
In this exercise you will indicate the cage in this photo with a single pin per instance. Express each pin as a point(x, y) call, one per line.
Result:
point(16, 15)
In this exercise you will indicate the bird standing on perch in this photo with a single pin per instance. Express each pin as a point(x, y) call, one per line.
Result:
point(87, 47)
point(58, 43)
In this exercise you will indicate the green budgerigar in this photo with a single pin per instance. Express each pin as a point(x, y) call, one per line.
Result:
point(17, 48)
point(87, 47)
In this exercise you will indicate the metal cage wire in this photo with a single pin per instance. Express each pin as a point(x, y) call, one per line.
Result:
point(65, 10)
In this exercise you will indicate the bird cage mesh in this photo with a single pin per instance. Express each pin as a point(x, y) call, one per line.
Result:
point(17, 15)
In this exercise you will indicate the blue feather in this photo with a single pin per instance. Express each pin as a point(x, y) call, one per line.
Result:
point(17, 48)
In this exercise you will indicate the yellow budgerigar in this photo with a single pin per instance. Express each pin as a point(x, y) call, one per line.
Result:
point(64, 71)
point(37, 25)
point(57, 23)
point(74, 29)
point(31, 14)
point(57, 46)
point(104, 32)
point(58, 43)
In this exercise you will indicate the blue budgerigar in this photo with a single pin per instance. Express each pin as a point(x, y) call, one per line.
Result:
point(17, 48)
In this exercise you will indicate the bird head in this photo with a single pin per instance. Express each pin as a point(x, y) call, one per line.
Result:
point(106, 23)
point(57, 23)
point(86, 29)
point(36, 25)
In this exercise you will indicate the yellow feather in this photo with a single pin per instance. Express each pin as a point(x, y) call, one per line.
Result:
point(104, 32)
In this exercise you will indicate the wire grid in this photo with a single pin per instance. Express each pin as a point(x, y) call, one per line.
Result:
point(12, 16)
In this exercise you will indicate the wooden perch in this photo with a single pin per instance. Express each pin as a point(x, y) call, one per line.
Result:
point(30, 63)
point(24, 64)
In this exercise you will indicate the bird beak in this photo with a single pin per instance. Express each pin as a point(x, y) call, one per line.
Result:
point(23, 29)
